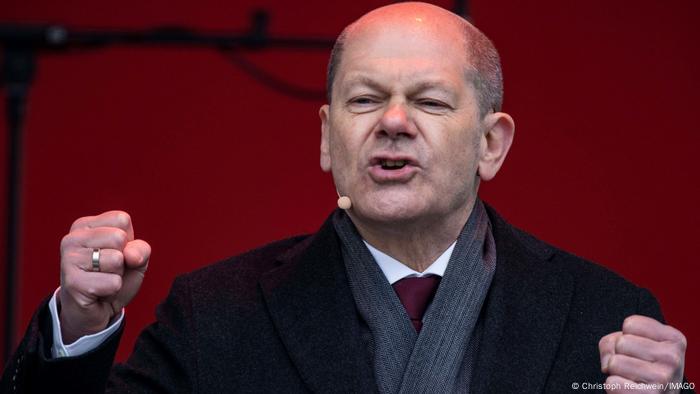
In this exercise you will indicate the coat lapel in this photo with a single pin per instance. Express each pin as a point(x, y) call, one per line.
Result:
point(524, 314)
point(312, 308)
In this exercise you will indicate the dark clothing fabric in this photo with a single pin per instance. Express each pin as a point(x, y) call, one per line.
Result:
point(282, 319)
point(440, 358)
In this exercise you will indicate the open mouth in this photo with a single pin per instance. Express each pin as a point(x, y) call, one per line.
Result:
point(392, 164)
point(386, 168)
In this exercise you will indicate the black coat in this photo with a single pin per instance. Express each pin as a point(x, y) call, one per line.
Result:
point(282, 318)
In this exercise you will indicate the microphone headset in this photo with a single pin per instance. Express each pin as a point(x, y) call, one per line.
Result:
point(343, 201)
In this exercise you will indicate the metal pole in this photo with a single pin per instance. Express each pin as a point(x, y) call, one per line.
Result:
point(18, 70)
point(461, 8)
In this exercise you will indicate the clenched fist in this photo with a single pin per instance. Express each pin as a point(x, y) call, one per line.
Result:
point(646, 356)
point(89, 298)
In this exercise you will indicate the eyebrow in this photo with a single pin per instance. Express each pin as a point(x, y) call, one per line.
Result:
point(438, 85)
point(364, 80)
point(429, 84)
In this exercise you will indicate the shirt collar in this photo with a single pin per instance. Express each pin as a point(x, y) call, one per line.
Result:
point(395, 270)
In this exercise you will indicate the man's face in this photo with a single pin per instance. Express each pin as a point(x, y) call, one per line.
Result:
point(402, 134)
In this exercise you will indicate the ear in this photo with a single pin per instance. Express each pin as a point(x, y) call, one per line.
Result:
point(495, 143)
point(323, 113)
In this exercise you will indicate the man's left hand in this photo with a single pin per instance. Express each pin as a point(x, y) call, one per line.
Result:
point(646, 351)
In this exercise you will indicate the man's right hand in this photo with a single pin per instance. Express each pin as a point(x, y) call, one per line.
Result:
point(90, 299)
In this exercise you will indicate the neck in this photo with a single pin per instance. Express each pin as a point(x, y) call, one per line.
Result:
point(416, 244)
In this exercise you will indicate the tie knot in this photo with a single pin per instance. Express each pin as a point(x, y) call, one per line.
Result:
point(415, 295)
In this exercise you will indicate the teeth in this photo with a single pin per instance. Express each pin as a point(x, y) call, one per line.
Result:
point(393, 163)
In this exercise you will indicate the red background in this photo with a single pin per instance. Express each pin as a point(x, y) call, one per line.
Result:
point(210, 163)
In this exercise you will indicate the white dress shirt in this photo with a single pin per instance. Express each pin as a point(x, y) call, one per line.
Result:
point(83, 344)
point(393, 269)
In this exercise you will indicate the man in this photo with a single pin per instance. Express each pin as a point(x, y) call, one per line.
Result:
point(412, 126)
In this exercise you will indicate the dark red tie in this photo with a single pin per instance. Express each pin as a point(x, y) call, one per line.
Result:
point(415, 295)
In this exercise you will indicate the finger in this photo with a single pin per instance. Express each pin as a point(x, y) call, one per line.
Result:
point(606, 348)
point(646, 349)
point(88, 287)
point(647, 327)
point(639, 370)
point(100, 237)
point(110, 260)
point(118, 219)
point(136, 254)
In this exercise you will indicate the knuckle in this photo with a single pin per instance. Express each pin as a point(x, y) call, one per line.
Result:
point(122, 219)
point(119, 237)
point(67, 241)
point(91, 290)
point(106, 259)
point(683, 342)
point(675, 359)
point(629, 322)
point(78, 222)
point(117, 259)
point(620, 344)
point(613, 362)
point(606, 340)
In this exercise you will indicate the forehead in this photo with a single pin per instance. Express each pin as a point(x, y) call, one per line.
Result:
point(405, 49)
point(405, 37)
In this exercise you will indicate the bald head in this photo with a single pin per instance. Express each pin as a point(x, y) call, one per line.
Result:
point(482, 64)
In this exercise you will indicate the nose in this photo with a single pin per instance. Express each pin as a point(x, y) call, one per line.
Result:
point(395, 122)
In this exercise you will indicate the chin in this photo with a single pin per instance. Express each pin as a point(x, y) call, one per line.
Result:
point(397, 208)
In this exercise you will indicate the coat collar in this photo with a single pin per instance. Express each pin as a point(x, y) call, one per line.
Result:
point(312, 307)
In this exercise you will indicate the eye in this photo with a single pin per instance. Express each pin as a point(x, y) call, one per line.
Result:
point(433, 104)
point(433, 107)
point(363, 100)
point(362, 104)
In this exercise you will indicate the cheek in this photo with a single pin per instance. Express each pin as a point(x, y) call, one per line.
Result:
point(343, 154)
point(347, 140)
point(340, 149)
point(458, 158)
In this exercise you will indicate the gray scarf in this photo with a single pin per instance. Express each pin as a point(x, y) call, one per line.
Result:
point(440, 358)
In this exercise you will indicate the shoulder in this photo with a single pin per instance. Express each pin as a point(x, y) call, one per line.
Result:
point(589, 277)
point(241, 273)
point(588, 272)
